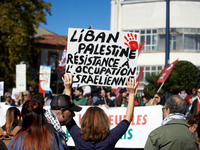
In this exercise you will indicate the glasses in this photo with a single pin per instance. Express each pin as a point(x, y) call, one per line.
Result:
point(163, 109)
point(25, 94)
point(156, 97)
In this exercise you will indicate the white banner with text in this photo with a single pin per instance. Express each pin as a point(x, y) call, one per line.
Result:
point(146, 119)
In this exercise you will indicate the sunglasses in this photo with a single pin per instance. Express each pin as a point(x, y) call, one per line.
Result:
point(25, 94)
point(156, 97)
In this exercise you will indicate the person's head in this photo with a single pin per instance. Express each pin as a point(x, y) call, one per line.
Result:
point(182, 90)
point(64, 109)
point(95, 125)
point(7, 96)
point(159, 98)
point(146, 99)
point(12, 115)
point(26, 95)
point(34, 126)
point(123, 92)
point(102, 93)
point(194, 91)
point(49, 95)
point(175, 104)
point(108, 93)
point(192, 122)
point(79, 92)
point(16, 95)
point(39, 98)
point(30, 88)
point(198, 92)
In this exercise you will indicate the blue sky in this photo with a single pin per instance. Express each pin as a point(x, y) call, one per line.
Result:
point(78, 14)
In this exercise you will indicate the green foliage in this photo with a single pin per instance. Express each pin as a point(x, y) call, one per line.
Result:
point(185, 74)
point(18, 20)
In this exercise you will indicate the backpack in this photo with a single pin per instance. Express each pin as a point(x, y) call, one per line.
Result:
point(8, 137)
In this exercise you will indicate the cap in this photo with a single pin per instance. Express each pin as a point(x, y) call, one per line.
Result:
point(122, 90)
point(63, 101)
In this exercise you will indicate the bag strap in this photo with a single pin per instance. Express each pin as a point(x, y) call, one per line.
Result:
point(15, 130)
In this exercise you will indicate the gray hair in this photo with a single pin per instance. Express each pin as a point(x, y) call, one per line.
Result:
point(176, 104)
point(28, 93)
point(7, 93)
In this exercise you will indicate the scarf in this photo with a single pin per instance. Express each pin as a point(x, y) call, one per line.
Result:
point(51, 117)
point(172, 117)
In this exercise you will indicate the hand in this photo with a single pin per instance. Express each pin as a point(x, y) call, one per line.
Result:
point(131, 86)
point(7, 103)
point(67, 80)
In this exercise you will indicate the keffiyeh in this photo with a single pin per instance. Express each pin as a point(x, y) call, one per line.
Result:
point(51, 117)
point(172, 117)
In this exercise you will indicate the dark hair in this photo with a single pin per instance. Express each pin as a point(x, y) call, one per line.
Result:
point(95, 125)
point(182, 89)
point(80, 90)
point(120, 99)
point(147, 97)
point(193, 119)
point(162, 99)
point(176, 104)
point(39, 98)
point(198, 129)
point(33, 126)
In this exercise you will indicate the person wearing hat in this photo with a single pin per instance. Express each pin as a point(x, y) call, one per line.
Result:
point(121, 100)
point(61, 113)
point(196, 104)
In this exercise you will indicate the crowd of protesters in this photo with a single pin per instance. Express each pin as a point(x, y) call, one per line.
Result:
point(43, 128)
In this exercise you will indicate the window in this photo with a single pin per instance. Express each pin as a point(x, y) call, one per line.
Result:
point(172, 42)
point(148, 70)
point(150, 37)
point(192, 42)
point(53, 60)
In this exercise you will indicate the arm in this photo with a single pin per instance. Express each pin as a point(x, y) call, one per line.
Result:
point(67, 80)
point(131, 86)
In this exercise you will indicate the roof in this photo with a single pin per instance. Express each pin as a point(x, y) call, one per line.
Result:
point(40, 31)
point(52, 39)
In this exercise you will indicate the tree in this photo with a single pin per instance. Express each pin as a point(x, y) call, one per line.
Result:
point(185, 74)
point(18, 20)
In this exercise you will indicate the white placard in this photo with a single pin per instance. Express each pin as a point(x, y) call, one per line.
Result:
point(14, 91)
point(45, 77)
point(1, 88)
point(21, 77)
point(98, 57)
point(146, 119)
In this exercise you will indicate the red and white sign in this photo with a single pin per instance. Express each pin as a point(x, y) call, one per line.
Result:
point(62, 65)
point(44, 79)
point(146, 119)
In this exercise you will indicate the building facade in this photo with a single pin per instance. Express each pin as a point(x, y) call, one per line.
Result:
point(148, 17)
point(51, 48)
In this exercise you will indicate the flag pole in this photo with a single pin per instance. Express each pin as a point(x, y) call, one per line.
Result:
point(160, 87)
point(136, 92)
point(104, 96)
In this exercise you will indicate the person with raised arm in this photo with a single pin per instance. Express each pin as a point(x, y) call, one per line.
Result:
point(95, 130)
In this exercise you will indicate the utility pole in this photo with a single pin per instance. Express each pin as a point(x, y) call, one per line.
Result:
point(167, 38)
